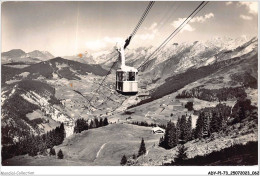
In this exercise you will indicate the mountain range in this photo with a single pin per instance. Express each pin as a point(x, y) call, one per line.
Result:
point(39, 91)
point(17, 55)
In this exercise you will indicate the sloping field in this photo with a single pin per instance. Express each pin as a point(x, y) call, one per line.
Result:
point(101, 146)
point(107, 145)
point(26, 160)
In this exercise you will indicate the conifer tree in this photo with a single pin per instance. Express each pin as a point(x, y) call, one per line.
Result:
point(42, 144)
point(172, 139)
point(182, 155)
point(52, 151)
point(178, 130)
point(123, 160)
point(142, 149)
point(91, 124)
point(32, 146)
point(166, 139)
point(96, 122)
point(189, 129)
point(55, 136)
point(241, 109)
point(62, 133)
point(105, 122)
point(162, 142)
point(199, 126)
point(241, 113)
point(215, 123)
point(101, 123)
point(189, 106)
point(134, 156)
point(80, 125)
point(60, 154)
point(168, 135)
point(48, 141)
point(183, 128)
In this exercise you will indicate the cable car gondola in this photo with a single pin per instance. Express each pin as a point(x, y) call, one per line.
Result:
point(126, 76)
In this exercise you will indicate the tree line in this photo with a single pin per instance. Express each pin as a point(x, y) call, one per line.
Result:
point(143, 123)
point(223, 94)
point(35, 144)
point(243, 109)
point(216, 119)
point(210, 120)
point(175, 134)
point(82, 124)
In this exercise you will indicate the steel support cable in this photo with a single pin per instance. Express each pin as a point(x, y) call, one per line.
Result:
point(169, 37)
point(174, 8)
point(183, 26)
point(165, 41)
point(166, 17)
point(133, 33)
point(176, 30)
point(104, 79)
point(78, 92)
point(142, 18)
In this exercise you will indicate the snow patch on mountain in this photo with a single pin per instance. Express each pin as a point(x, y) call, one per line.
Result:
point(60, 65)
point(210, 61)
point(246, 50)
point(24, 74)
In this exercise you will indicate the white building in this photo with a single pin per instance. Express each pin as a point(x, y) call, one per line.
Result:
point(158, 130)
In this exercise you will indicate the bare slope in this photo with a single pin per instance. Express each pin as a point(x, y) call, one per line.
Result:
point(100, 146)
point(107, 145)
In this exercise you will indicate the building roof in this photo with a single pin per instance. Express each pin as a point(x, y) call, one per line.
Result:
point(158, 129)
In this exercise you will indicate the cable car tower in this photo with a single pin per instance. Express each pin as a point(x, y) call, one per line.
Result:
point(126, 76)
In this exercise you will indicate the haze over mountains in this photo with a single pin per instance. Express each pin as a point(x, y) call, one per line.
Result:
point(39, 91)
point(18, 55)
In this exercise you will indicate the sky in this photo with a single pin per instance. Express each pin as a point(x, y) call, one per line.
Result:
point(68, 28)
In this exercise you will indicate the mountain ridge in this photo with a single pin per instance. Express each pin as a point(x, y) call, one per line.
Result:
point(62, 90)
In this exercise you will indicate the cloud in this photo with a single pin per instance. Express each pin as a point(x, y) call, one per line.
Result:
point(245, 17)
point(153, 26)
point(202, 19)
point(149, 32)
point(97, 45)
point(251, 6)
point(229, 3)
point(188, 27)
point(113, 39)
point(101, 44)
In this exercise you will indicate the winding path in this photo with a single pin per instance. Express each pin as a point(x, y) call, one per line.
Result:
point(100, 150)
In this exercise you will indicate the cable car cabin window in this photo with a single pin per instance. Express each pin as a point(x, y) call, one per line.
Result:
point(124, 76)
point(131, 76)
point(121, 76)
